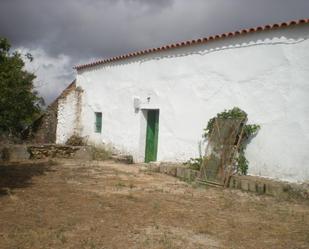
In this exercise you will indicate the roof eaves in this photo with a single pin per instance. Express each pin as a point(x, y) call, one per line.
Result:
point(192, 42)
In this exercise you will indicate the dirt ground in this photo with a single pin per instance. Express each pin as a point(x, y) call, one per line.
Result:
point(108, 205)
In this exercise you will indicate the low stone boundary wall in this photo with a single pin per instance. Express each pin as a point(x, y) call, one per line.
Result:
point(173, 169)
point(128, 159)
point(253, 184)
point(60, 151)
point(271, 187)
point(15, 153)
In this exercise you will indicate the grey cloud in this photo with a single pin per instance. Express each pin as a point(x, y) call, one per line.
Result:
point(94, 28)
point(84, 29)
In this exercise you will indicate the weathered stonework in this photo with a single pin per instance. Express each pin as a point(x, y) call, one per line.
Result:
point(261, 185)
point(254, 184)
point(14, 153)
point(44, 129)
point(68, 114)
point(59, 151)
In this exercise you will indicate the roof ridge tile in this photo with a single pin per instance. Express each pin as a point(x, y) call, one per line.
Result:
point(194, 41)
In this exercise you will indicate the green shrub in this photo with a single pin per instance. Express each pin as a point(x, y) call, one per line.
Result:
point(235, 113)
point(194, 163)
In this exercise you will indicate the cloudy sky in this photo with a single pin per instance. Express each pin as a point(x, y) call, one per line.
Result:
point(63, 33)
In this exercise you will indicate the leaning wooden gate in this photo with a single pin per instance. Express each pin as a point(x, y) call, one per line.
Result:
point(223, 143)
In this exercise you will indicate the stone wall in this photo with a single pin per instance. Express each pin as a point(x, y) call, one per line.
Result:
point(17, 153)
point(44, 129)
point(69, 109)
point(254, 184)
point(14, 153)
point(261, 185)
point(60, 151)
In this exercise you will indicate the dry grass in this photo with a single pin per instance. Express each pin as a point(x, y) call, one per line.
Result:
point(109, 205)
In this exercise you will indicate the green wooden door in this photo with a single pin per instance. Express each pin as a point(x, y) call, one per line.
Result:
point(152, 136)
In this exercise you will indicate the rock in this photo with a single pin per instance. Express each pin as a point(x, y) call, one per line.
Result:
point(128, 159)
point(169, 170)
point(186, 173)
point(84, 153)
point(14, 153)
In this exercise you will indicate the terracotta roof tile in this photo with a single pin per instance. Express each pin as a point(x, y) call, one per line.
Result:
point(190, 42)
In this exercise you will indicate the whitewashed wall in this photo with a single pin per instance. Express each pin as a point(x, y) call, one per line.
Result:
point(67, 110)
point(266, 74)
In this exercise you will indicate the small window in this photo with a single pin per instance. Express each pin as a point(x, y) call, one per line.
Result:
point(98, 122)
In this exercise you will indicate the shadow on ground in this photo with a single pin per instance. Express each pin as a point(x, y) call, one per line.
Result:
point(19, 175)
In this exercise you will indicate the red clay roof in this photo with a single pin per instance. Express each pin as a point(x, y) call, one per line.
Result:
point(191, 42)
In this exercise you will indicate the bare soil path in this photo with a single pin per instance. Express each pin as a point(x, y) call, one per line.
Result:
point(108, 205)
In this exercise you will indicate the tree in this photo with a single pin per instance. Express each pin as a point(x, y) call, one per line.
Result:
point(19, 102)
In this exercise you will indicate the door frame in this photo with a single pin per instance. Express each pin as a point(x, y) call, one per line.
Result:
point(152, 135)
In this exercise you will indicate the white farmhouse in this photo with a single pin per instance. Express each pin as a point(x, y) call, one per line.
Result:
point(154, 104)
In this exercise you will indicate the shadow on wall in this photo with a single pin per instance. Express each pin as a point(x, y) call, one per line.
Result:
point(20, 175)
point(291, 35)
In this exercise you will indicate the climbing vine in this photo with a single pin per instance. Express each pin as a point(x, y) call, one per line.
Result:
point(235, 113)
point(194, 163)
point(249, 130)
